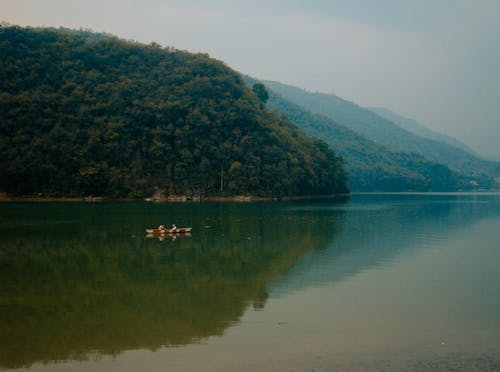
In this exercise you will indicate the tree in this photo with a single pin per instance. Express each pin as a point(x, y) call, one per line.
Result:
point(261, 92)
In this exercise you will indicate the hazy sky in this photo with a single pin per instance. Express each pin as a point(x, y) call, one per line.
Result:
point(437, 61)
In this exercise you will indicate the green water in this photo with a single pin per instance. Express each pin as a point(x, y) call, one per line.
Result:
point(372, 282)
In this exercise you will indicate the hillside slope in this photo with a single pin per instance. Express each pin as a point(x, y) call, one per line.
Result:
point(84, 113)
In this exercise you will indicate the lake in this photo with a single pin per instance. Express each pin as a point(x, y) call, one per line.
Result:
point(375, 281)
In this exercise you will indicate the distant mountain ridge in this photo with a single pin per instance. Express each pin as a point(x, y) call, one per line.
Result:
point(371, 166)
point(421, 130)
point(385, 132)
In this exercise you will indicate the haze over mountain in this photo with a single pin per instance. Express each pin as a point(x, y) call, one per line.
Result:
point(421, 130)
point(371, 166)
point(374, 127)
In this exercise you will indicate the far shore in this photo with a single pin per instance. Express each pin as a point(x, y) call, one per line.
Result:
point(176, 198)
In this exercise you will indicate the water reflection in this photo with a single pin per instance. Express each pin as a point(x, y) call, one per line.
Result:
point(82, 279)
point(378, 229)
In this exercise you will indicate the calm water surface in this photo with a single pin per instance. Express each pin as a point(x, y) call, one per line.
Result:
point(372, 282)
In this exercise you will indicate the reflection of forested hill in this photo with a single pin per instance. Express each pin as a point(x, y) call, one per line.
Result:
point(375, 231)
point(81, 278)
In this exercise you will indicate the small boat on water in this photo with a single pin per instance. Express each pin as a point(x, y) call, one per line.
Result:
point(179, 230)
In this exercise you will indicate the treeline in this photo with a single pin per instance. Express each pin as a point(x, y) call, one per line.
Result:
point(84, 113)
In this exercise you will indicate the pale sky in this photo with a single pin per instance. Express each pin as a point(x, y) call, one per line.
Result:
point(436, 61)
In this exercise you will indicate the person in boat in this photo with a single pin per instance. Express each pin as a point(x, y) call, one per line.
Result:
point(161, 227)
point(173, 227)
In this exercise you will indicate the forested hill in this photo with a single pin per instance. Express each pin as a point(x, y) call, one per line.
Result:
point(84, 113)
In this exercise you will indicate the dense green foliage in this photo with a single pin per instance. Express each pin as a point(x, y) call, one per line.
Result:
point(384, 132)
point(85, 113)
point(260, 90)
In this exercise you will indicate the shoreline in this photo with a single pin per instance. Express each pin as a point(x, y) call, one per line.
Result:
point(5, 198)
point(171, 199)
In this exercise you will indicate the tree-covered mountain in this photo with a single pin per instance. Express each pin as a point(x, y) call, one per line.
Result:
point(371, 166)
point(372, 126)
point(84, 113)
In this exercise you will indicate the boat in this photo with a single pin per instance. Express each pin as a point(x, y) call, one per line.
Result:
point(179, 230)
